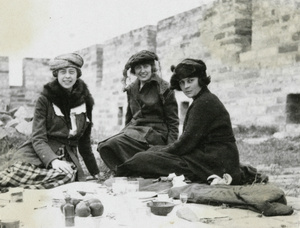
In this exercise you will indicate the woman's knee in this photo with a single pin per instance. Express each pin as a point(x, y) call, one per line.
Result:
point(142, 156)
point(103, 150)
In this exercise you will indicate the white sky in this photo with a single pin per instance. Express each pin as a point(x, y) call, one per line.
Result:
point(46, 28)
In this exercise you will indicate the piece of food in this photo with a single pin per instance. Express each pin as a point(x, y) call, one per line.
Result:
point(96, 207)
point(82, 209)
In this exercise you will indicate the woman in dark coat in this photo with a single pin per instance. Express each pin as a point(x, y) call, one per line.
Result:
point(207, 144)
point(152, 112)
point(62, 124)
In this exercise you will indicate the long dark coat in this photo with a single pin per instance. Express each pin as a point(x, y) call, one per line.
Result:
point(151, 119)
point(206, 146)
point(52, 124)
point(152, 113)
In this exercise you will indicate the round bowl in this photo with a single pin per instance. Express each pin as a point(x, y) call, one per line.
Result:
point(161, 207)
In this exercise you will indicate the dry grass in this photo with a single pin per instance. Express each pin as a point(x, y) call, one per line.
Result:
point(282, 152)
point(278, 158)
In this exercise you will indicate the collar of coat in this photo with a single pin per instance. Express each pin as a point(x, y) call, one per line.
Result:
point(67, 100)
point(162, 85)
point(203, 90)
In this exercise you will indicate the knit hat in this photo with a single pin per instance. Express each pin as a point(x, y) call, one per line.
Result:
point(66, 60)
point(188, 68)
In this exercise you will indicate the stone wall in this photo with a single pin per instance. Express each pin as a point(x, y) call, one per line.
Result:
point(251, 49)
point(35, 74)
point(216, 33)
point(273, 64)
point(92, 75)
point(92, 71)
point(111, 101)
point(4, 85)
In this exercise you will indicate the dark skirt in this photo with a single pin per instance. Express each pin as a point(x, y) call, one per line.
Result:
point(118, 149)
point(150, 164)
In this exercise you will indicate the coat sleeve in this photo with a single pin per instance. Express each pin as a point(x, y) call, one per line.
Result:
point(85, 150)
point(200, 117)
point(128, 115)
point(39, 133)
point(171, 116)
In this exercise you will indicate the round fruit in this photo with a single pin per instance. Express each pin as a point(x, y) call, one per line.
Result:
point(93, 200)
point(82, 209)
point(97, 209)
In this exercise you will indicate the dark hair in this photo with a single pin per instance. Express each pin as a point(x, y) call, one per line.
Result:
point(203, 79)
point(153, 67)
point(189, 68)
point(55, 72)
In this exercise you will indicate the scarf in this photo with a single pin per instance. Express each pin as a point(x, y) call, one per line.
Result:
point(66, 100)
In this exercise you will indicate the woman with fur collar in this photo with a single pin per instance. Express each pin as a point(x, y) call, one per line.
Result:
point(152, 112)
point(61, 125)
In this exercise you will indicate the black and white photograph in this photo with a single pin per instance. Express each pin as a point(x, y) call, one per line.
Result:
point(149, 113)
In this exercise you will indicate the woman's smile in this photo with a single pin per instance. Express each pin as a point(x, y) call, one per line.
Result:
point(143, 72)
point(67, 77)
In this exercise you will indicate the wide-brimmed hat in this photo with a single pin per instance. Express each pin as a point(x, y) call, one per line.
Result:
point(188, 68)
point(66, 60)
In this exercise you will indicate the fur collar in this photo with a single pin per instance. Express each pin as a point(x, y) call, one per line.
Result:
point(66, 100)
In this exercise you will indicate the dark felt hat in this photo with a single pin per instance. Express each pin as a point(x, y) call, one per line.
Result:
point(140, 57)
point(188, 68)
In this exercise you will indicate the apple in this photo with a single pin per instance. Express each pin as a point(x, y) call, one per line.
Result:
point(82, 209)
point(96, 207)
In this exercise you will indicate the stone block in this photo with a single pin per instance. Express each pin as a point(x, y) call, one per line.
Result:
point(275, 109)
point(288, 48)
point(4, 64)
point(286, 18)
point(269, 23)
point(296, 36)
point(246, 56)
point(267, 52)
point(243, 23)
point(220, 36)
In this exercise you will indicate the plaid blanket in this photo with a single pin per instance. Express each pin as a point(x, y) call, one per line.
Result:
point(29, 176)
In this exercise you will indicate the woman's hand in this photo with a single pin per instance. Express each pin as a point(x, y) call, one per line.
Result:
point(100, 177)
point(62, 166)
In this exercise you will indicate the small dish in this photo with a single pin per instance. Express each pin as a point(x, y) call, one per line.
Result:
point(162, 208)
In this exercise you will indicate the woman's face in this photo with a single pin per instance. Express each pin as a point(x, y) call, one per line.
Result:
point(143, 72)
point(67, 77)
point(190, 86)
